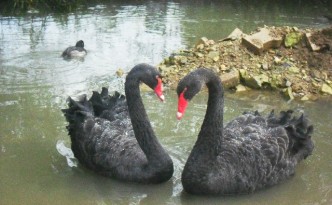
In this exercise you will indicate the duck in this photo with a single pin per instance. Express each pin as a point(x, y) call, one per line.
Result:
point(77, 51)
point(249, 153)
point(112, 135)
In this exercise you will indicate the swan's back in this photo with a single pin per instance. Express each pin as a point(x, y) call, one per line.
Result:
point(75, 51)
point(249, 153)
point(255, 152)
point(102, 135)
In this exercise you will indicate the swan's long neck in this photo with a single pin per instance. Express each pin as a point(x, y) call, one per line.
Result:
point(141, 125)
point(211, 134)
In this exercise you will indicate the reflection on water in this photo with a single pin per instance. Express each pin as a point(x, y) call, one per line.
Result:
point(114, 38)
point(36, 164)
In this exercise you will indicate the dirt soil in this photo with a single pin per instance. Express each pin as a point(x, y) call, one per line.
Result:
point(298, 72)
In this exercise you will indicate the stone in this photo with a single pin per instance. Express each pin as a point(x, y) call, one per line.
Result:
point(211, 42)
point(305, 98)
point(289, 93)
point(260, 79)
point(276, 81)
point(214, 55)
point(205, 41)
point(256, 81)
point(326, 89)
point(165, 70)
point(200, 46)
point(265, 66)
point(181, 59)
point(293, 69)
point(288, 83)
point(198, 54)
point(312, 46)
point(293, 38)
point(277, 60)
point(223, 67)
point(261, 41)
point(236, 34)
point(119, 72)
point(231, 79)
point(241, 88)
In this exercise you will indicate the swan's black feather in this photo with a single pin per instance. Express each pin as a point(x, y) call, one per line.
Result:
point(103, 139)
point(251, 152)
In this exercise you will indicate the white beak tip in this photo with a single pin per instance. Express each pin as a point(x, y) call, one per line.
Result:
point(162, 98)
point(179, 115)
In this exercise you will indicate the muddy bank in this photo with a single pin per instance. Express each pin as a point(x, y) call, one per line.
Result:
point(295, 62)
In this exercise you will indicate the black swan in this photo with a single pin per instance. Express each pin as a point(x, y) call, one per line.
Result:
point(75, 51)
point(112, 135)
point(251, 152)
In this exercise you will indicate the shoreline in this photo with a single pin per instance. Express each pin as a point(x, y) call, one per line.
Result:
point(295, 62)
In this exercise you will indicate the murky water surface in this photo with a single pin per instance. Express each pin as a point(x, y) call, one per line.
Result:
point(36, 166)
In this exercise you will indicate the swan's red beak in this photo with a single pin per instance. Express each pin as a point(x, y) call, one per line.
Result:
point(182, 106)
point(159, 90)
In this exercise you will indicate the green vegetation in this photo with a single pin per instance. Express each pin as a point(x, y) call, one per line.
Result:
point(42, 6)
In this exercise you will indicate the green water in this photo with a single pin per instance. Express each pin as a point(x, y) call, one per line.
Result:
point(35, 82)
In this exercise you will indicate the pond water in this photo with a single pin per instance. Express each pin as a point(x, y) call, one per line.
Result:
point(35, 162)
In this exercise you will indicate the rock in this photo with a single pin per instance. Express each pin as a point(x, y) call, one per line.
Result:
point(214, 55)
point(200, 46)
point(288, 93)
point(244, 73)
point(277, 60)
point(166, 70)
point(198, 54)
point(261, 41)
point(288, 83)
point(305, 98)
point(203, 40)
point(276, 81)
point(241, 88)
point(298, 72)
point(254, 81)
point(326, 89)
point(315, 74)
point(261, 79)
point(312, 46)
point(297, 87)
point(119, 72)
point(223, 67)
point(265, 66)
point(211, 42)
point(236, 34)
point(231, 79)
point(181, 59)
point(293, 38)
point(293, 69)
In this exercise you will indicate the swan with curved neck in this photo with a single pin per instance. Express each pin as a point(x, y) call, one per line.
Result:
point(251, 152)
point(112, 135)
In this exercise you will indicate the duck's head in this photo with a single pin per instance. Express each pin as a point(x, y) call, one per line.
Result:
point(80, 43)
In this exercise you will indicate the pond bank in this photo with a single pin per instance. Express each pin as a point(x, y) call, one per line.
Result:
point(300, 67)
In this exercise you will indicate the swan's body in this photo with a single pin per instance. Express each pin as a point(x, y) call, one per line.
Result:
point(77, 51)
point(251, 152)
point(112, 135)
